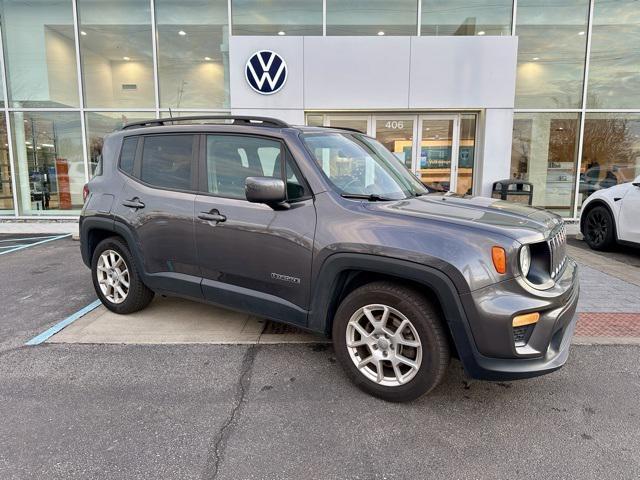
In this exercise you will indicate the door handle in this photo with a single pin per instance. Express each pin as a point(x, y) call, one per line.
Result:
point(212, 216)
point(133, 203)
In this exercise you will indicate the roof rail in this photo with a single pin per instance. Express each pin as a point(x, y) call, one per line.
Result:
point(350, 129)
point(237, 120)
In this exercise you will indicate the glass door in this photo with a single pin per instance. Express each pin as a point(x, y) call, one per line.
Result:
point(438, 140)
point(396, 133)
point(446, 156)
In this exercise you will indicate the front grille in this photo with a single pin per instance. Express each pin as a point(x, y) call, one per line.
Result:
point(557, 250)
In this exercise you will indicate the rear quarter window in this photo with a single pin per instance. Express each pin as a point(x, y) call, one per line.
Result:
point(128, 154)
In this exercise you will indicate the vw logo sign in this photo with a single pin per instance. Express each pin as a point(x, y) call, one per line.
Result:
point(266, 72)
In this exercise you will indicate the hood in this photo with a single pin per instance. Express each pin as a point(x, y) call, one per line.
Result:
point(514, 220)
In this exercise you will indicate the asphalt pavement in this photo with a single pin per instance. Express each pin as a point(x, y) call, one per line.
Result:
point(281, 411)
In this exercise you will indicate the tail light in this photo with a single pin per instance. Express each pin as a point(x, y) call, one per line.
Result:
point(85, 192)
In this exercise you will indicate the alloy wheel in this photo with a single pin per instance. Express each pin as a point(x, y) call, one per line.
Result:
point(597, 227)
point(384, 345)
point(113, 276)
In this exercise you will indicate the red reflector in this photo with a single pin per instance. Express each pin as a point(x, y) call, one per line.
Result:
point(85, 192)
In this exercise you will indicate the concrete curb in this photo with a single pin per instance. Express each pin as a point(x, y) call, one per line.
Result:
point(579, 340)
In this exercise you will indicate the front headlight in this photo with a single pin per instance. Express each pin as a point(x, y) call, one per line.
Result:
point(525, 260)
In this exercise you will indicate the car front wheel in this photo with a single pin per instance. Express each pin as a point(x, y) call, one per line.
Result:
point(390, 341)
point(599, 229)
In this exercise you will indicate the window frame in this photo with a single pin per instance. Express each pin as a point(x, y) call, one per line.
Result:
point(137, 163)
point(285, 153)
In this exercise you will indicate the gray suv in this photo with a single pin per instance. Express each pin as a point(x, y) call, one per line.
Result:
point(326, 230)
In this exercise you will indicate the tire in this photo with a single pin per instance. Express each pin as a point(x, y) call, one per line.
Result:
point(403, 304)
point(599, 229)
point(137, 294)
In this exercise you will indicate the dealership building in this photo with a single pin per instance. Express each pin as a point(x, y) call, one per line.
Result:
point(464, 92)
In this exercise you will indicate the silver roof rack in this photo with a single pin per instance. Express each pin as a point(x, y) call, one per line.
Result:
point(234, 120)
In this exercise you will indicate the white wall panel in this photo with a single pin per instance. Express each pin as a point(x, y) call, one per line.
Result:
point(496, 148)
point(463, 72)
point(356, 72)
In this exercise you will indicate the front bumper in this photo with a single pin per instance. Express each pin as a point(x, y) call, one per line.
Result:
point(493, 353)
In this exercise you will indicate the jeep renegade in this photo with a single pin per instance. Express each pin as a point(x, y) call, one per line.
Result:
point(326, 230)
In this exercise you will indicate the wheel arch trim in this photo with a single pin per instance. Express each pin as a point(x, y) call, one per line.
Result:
point(327, 290)
point(87, 225)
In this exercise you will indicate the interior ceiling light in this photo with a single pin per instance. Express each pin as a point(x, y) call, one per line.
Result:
point(182, 33)
point(481, 32)
point(126, 58)
point(82, 32)
point(207, 58)
point(581, 33)
point(535, 59)
point(281, 33)
point(380, 33)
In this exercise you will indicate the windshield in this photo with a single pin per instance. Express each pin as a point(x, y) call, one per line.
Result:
point(358, 165)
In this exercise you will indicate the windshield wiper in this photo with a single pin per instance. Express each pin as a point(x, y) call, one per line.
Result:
point(372, 197)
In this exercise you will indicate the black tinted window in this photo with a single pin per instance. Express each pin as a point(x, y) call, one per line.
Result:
point(128, 154)
point(167, 161)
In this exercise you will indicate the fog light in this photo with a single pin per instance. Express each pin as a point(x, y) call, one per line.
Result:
point(526, 319)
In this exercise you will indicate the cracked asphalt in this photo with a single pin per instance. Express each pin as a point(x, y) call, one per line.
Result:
point(279, 412)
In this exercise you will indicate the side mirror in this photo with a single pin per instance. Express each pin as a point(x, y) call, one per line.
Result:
point(271, 191)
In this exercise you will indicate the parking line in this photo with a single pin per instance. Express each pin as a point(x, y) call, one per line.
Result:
point(15, 239)
point(51, 239)
point(37, 340)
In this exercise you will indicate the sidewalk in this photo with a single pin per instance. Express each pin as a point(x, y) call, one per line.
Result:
point(609, 306)
point(45, 226)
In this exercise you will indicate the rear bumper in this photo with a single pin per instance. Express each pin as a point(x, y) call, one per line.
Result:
point(492, 354)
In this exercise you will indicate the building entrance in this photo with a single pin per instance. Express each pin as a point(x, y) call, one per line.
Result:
point(438, 148)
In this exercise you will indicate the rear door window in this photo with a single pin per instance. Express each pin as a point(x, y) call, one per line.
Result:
point(167, 161)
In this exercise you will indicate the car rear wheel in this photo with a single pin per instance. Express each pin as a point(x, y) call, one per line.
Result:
point(116, 279)
point(599, 229)
point(390, 341)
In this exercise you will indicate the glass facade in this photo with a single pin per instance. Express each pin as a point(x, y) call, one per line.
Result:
point(47, 152)
point(373, 17)
point(614, 70)
point(544, 153)
point(611, 151)
point(577, 118)
point(464, 17)
point(117, 53)
point(74, 70)
point(552, 44)
point(193, 54)
point(40, 54)
point(277, 17)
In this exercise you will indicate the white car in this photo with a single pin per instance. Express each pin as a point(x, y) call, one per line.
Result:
point(612, 215)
